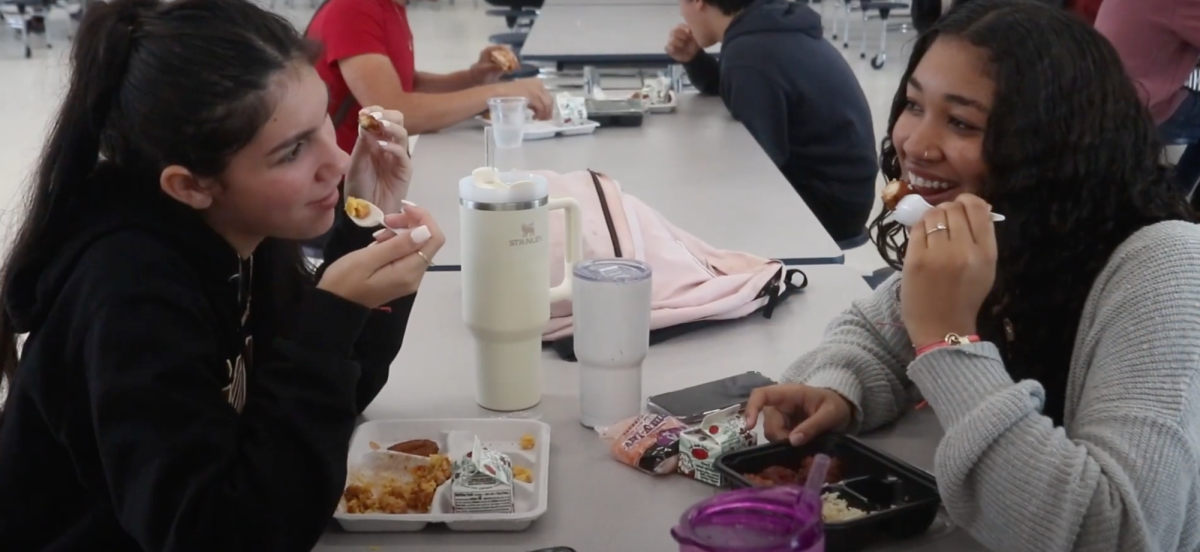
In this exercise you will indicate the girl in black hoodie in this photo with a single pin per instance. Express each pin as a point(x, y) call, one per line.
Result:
point(188, 383)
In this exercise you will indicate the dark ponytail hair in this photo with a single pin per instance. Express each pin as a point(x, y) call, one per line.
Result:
point(1074, 162)
point(153, 84)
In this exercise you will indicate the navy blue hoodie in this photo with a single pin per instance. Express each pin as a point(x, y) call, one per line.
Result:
point(174, 398)
point(799, 98)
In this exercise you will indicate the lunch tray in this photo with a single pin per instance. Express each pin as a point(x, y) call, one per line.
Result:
point(455, 438)
point(901, 500)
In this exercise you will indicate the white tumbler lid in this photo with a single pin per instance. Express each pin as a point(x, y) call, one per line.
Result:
point(613, 271)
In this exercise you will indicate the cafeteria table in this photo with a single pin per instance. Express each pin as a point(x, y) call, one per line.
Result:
point(609, 35)
point(698, 167)
point(595, 503)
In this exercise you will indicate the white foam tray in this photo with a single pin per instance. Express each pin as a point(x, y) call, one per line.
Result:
point(541, 130)
point(456, 437)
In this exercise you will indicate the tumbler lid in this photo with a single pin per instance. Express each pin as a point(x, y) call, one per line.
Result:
point(613, 271)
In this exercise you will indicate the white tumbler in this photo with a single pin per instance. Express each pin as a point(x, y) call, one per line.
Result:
point(611, 313)
point(506, 295)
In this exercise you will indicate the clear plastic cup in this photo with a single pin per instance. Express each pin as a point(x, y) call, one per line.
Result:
point(508, 121)
point(776, 519)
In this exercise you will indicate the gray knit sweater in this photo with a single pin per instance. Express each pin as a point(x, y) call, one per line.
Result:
point(1121, 474)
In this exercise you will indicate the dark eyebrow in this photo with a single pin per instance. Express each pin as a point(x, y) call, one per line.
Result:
point(954, 98)
point(292, 140)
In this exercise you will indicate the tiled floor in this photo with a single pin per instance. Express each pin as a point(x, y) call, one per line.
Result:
point(447, 38)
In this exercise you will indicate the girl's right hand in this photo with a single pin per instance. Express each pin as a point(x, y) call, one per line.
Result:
point(797, 413)
point(392, 266)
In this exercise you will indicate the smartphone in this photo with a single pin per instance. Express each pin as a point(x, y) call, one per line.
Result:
point(691, 405)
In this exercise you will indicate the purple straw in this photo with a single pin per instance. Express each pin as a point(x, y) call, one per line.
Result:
point(816, 474)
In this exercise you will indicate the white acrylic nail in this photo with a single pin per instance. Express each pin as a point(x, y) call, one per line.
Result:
point(383, 143)
point(377, 115)
point(420, 234)
point(407, 202)
point(378, 232)
point(385, 123)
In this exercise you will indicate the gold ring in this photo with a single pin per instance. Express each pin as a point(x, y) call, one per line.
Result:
point(941, 226)
point(426, 259)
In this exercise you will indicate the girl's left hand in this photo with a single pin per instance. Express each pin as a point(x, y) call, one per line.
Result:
point(948, 271)
point(380, 166)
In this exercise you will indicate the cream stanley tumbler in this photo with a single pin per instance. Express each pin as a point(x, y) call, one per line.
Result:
point(505, 227)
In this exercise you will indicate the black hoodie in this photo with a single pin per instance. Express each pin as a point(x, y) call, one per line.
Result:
point(799, 98)
point(140, 420)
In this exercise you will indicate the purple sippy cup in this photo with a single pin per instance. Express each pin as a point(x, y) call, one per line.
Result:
point(777, 519)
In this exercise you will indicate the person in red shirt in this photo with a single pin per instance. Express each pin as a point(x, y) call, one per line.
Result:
point(1159, 45)
point(368, 60)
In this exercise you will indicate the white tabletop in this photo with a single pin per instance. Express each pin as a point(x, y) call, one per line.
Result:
point(597, 504)
point(698, 167)
point(602, 34)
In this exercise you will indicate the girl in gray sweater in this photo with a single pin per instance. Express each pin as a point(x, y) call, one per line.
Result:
point(1060, 349)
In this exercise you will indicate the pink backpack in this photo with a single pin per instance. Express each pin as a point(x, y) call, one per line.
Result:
point(694, 284)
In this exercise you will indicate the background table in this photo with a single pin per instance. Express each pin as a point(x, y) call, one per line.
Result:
point(698, 167)
point(597, 504)
point(603, 35)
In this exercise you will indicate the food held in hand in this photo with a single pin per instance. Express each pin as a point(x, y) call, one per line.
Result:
point(721, 432)
point(369, 123)
point(505, 59)
point(834, 508)
point(483, 482)
point(406, 491)
point(357, 208)
point(894, 192)
point(522, 474)
point(528, 442)
point(416, 447)
point(649, 442)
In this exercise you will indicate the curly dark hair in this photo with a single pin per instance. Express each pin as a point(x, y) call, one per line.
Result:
point(1074, 162)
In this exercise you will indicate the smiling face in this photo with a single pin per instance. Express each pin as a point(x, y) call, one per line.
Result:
point(284, 182)
point(939, 135)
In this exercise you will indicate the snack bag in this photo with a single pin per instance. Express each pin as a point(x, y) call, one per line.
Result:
point(649, 442)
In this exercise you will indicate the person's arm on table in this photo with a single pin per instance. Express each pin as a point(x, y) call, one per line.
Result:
point(188, 472)
point(863, 357)
point(1123, 475)
point(704, 71)
point(373, 81)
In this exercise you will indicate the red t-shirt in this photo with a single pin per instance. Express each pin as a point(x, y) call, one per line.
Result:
point(349, 28)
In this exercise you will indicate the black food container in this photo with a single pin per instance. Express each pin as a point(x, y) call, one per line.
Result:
point(901, 501)
point(616, 113)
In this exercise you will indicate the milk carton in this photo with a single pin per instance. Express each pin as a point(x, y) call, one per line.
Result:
point(569, 110)
point(483, 482)
point(699, 447)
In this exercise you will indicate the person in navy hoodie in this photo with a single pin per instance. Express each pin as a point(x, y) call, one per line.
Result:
point(794, 92)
